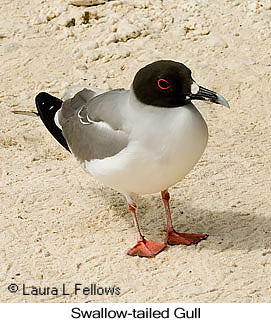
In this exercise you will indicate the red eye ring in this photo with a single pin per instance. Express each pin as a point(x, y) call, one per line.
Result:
point(164, 84)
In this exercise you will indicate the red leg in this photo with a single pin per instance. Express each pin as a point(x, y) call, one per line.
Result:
point(173, 237)
point(143, 247)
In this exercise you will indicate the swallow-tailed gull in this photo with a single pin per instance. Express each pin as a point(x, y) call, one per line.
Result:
point(137, 141)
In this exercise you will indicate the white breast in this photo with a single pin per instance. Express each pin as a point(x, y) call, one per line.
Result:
point(164, 145)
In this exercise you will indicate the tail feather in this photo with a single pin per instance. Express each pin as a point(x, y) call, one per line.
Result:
point(26, 113)
point(47, 106)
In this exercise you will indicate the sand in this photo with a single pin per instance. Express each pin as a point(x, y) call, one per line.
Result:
point(58, 225)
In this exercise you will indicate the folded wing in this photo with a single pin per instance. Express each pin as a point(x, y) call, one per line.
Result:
point(92, 124)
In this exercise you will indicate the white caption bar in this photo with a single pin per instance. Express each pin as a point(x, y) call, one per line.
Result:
point(137, 312)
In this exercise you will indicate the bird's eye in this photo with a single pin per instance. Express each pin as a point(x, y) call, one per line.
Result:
point(164, 84)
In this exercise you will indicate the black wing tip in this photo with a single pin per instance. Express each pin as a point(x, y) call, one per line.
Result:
point(40, 96)
point(44, 96)
point(47, 106)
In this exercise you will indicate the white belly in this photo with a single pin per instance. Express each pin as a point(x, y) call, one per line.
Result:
point(161, 151)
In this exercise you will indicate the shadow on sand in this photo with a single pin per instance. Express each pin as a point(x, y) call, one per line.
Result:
point(227, 229)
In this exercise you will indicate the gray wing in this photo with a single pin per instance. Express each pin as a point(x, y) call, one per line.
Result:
point(92, 123)
point(72, 90)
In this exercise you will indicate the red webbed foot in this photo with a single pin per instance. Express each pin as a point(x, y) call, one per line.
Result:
point(145, 248)
point(175, 238)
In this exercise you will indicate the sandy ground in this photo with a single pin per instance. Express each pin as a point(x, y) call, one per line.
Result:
point(58, 225)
